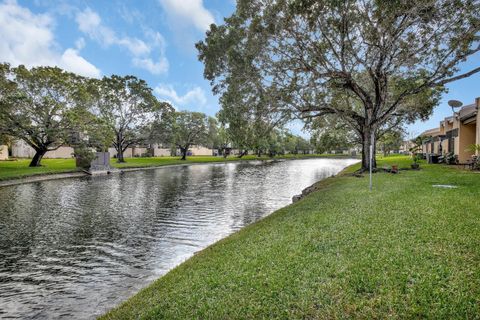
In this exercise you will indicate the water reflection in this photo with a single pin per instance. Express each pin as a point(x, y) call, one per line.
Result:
point(75, 248)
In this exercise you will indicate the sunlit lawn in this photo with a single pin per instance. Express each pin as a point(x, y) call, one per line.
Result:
point(18, 168)
point(406, 250)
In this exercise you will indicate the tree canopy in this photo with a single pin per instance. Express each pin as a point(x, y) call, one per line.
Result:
point(183, 129)
point(127, 107)
point(39, 106)
point(363, 61)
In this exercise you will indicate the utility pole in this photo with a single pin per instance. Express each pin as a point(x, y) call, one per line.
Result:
point(371, 158)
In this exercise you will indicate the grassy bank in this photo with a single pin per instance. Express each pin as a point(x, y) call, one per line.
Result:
point(162, 161)
point(405, 250)
point(18, 168)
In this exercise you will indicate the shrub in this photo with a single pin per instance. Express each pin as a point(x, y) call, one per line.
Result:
point(83, 156)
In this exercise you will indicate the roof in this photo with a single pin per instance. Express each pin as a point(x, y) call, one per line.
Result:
point(467, 112)
point(431, 132)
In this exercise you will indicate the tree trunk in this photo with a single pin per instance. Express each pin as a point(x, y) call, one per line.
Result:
point(244, 152)
point(184, 152)
point(120, 158)
point(119, 143)
point(37, 158)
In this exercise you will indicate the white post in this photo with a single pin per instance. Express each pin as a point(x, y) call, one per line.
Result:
point(371, 160)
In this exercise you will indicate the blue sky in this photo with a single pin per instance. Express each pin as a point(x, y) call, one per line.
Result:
point(151, 39)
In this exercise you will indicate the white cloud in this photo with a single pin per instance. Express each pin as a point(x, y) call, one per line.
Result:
point(73, 62)
point(188, 13)
point(193, 98)
point(148, 64)
point(136, 46)
point(27, 38)
point(156, 40)
point(90, 23)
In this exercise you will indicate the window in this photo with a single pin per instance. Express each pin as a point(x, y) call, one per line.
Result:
point(451, 144)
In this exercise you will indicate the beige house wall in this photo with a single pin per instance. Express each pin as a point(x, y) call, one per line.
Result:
point(466, 137)
point(22, 150)
point(436, 147)
point(201, 151)
point(138, 152)
point(3, 152)
point(477, 140)
point(448, 126)
point(126, 154)
point(161, 152)
point(60, 153)
point(456, 146)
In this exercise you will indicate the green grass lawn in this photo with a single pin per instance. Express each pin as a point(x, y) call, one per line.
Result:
point(161, 161)
point(18, 168)
point(406, 250)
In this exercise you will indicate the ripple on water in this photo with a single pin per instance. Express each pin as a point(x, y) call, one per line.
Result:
point(75, 248)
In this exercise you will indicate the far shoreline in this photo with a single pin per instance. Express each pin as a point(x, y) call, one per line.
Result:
point(130, 167)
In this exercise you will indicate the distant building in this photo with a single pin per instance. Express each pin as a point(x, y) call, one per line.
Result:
point(406, 146)
point(22, 150)
point(3, 152)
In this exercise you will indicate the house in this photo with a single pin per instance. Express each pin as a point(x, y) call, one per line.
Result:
point(201, 151)
point(467, 132)
point(455, 134)
point(3, 152)
point(406, 146)
point(432, 141)
point(22, 150)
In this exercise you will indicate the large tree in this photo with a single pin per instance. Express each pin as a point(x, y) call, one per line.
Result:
point(39, 106)
point(183, 129)
point(361, 61)
point(126, 105)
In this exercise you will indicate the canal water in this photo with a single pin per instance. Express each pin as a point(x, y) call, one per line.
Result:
point(75, 248)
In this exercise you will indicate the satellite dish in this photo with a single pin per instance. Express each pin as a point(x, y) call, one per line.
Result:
point(455, 104)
